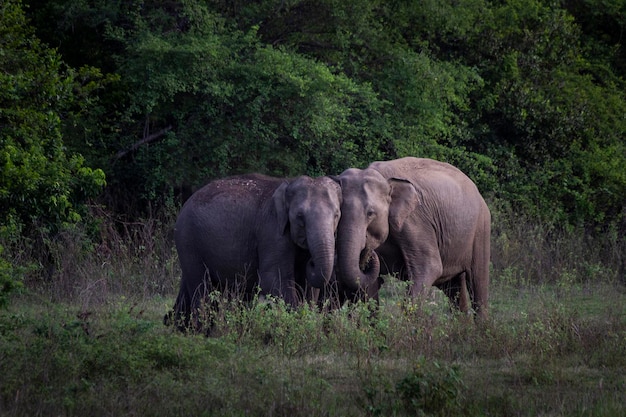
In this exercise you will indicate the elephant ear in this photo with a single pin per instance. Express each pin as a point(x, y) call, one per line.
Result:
point(405, 198)
point(280, 204)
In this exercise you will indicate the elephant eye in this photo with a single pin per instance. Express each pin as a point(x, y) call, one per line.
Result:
point(370, 213)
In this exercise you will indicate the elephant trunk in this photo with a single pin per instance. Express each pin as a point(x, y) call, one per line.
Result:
point(372, 273)
point(358, 265)
point(320, 267)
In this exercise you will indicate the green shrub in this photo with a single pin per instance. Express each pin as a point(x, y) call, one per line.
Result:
point(8, 281)
point(434, 389)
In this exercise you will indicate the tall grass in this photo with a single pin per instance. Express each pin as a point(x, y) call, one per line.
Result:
point(109, 258)
point(138, 258)
point(89, 340)
point(527, 252)
point(268, 359)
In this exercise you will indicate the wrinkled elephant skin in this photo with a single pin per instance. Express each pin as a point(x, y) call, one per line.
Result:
point(255, 233)
point(428, 223)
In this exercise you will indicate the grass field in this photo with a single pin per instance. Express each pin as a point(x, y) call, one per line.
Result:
point(546, 350)
point(89, 339)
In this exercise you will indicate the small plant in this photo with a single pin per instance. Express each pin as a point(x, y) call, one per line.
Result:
point(432, 389)
point(8, 282)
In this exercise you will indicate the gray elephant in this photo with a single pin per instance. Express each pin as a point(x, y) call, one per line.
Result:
point(255, 232)
point(426, 221)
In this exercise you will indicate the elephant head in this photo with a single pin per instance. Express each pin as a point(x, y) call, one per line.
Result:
point(363, 227)
point(309, 210)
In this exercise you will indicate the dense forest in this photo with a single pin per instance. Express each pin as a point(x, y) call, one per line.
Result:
point(125, 108)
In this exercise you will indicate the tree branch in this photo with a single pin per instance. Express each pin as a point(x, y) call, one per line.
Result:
point(143, 141)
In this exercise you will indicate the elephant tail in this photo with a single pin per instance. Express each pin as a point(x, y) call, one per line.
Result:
point(479, 274)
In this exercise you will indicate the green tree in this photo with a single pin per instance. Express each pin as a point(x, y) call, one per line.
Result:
point(540, 113)
point(198, 97)
point(424, 98)
point(527, 97)
point(603, 23)
point(553, 114)
point(41, 185)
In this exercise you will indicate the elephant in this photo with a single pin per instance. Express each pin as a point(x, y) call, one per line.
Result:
point(255, 233)
point(425, 220)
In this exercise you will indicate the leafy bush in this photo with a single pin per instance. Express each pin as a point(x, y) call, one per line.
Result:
point(434, 390)
point(525, 96)
point(545, 350)
point(39, 180)
point(43, 187)
point(8, 281)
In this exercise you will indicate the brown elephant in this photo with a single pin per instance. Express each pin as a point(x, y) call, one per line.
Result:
point(255, 233)
point(426, 221)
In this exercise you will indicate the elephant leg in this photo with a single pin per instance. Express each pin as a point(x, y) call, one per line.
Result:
point(420, 255)
point(279, 282)
point(187, 313)
point(304, 292)
point(201, 314)
point(457, 291)
point(423, 268)
point(479, 289)
point(480, 303)
point(277, 272)
point(179, 316)
point(330, 296)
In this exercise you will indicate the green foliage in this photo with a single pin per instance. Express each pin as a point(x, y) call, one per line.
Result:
point(543, 352)
point(525, 96)
point(432, 389)
point(8, 281)
point(552, 115)
point(90, 341)
point(39, 180)
point(603, 25)
point(203, 99)
point(43, 186)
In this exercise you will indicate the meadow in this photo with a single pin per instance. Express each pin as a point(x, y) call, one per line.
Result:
point(90, 340)
point(111, 112)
